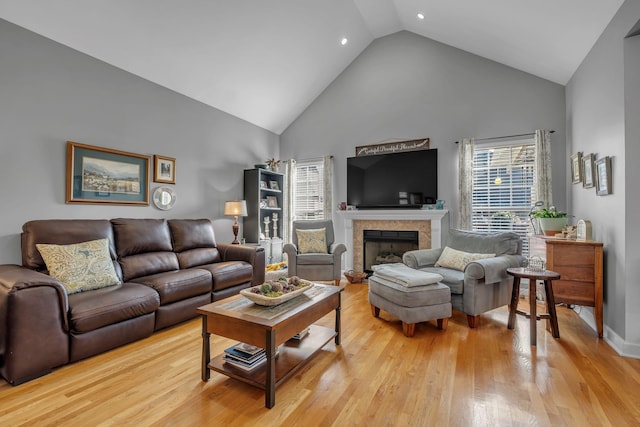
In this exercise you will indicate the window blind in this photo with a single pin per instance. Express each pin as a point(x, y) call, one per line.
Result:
point(308, 198)
point(503, 190)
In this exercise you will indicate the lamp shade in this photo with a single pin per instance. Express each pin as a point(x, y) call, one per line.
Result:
point(235, 208)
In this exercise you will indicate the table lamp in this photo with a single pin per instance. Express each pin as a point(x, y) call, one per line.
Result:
point(235, 208)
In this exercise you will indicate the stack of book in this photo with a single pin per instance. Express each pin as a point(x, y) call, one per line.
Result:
point(303, 333)
point(244, 356)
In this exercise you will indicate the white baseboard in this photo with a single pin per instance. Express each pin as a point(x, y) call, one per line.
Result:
point(622, 347)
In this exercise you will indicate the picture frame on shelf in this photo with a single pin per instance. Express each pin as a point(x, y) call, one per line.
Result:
point(576, 168)
point(102, 175)
point(164, 169)
point(272, 202)
point(274, 185)
point(263, 184)
point(588, 171)
point(603, 175)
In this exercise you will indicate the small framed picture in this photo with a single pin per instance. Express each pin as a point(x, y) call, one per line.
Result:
point(588, 171)
point(164, 169)
point(274, 185)
point(603, 175)
point(263, 184)
point(272, 202)
point(576, 168)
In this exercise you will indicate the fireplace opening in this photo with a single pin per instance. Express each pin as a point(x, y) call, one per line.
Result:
point(386, 246)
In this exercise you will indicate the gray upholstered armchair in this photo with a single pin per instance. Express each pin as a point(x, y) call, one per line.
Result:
point(313, 253)
point(477, 284)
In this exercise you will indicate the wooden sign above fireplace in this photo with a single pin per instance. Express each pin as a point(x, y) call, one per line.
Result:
point(393, 147)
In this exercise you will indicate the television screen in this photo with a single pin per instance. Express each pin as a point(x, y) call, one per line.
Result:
point(395, 180)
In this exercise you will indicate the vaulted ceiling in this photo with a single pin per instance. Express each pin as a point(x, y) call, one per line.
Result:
point(265, 61)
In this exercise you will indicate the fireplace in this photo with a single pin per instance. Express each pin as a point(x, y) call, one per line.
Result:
point(386, 246)
point(431, 226)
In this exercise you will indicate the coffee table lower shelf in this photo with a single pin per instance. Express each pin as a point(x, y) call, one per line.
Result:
point(293, 354)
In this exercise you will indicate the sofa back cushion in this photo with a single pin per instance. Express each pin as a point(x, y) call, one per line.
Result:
point(191, 234)
point(194, 242)
point(143, 247)
point(63, 232)
point(499, 243)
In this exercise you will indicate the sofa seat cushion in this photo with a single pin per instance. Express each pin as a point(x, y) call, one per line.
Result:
point(92, 310)
point(315, 259)
point(229, 273)
point(454, 279)
point(177, 285)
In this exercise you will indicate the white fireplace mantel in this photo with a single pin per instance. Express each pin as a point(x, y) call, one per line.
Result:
point(439, 219)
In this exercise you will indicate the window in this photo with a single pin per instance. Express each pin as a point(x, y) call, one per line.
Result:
point(308, 192)
point(503, 188)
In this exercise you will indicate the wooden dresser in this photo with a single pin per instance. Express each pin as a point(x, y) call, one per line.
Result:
point(580, 268)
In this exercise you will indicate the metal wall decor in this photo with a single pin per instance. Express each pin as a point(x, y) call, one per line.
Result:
point(393, 147)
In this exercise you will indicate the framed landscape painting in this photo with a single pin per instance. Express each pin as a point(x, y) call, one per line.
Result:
point(102, 175)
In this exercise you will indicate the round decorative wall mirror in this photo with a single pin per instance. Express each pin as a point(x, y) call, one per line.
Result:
point(164, 198)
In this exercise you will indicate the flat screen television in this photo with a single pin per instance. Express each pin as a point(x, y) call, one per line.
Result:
point(394, 180)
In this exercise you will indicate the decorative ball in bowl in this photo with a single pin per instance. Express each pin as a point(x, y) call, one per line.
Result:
point(274, 292)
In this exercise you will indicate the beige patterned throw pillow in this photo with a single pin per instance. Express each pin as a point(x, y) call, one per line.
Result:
point(458, 260)
point(312, 241)
point(82, 266)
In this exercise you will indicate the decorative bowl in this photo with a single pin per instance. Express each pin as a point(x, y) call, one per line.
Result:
point(260, 166)
point(271, 301)
point(355, 276)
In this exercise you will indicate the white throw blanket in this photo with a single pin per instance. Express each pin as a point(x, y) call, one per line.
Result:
point(405, 275)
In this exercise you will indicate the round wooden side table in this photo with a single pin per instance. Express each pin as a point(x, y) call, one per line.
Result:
point(545, 275)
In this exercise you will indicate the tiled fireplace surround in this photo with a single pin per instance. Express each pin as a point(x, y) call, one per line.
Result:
point(431, 226)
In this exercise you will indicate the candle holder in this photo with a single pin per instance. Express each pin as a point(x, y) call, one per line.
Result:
point(275, 225)
point(266, 227)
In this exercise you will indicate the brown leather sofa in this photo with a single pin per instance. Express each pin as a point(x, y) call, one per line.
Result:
point(167, 268)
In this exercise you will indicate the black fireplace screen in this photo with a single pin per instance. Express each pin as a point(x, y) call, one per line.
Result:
point(386, 246)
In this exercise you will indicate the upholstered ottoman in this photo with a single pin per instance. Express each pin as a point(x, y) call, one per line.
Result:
point(410, 301)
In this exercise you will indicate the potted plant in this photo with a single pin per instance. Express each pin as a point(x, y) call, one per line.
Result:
point(551, 221)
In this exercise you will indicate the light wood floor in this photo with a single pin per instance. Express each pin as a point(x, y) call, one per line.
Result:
point(459, 377)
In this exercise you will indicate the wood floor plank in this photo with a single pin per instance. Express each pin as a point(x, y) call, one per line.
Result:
point(378, 377)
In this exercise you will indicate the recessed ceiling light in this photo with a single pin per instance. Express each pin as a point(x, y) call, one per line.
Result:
point(420, 16)
point(343, 41)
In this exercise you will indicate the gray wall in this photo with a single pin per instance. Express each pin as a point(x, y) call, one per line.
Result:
point(600, 120)
point(50, 93)
point(404, 86)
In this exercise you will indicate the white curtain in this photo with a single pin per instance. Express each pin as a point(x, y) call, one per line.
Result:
point(465, 183)
point(327, 183)
point(289, 191)
point(542, 140)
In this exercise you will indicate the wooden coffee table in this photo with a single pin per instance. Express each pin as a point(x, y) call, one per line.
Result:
point(268, 327)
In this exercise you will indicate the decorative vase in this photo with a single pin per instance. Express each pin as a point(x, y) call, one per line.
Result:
point(552, 226)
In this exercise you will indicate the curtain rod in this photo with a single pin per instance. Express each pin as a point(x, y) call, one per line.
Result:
point(507, 136)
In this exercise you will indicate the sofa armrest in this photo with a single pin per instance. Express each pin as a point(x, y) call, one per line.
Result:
point(14, 278)
point(421, 258)
point(34, 325)
point(492, 270)
point(254, 255)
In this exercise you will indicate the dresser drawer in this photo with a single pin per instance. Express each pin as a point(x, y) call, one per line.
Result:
point(571, 292)
point(577, 256)
point(574, 273)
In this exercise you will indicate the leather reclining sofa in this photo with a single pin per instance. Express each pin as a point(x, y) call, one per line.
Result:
point(167, 268)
